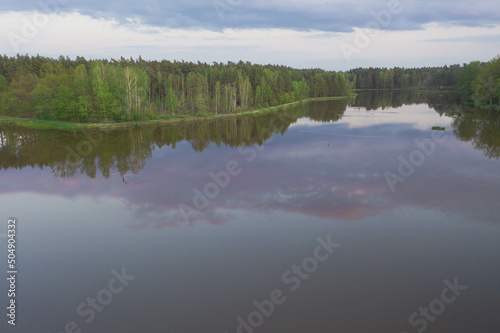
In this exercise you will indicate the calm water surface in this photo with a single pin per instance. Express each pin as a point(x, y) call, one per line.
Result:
point(211, 222)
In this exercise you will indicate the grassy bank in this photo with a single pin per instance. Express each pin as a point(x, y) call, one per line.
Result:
point(66, 125)
point(419, 89)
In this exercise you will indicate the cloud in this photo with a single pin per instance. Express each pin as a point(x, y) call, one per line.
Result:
point(488, 38)
point(325, 15)
point(75, 34)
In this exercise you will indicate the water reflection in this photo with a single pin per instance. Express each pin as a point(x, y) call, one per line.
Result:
point(314, 170)
point(330, 164)
point(478, 127)
point(127, 150)
point(372, 100)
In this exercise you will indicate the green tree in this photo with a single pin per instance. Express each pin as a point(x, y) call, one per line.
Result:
point(20, 96)
point(171, 101)
point(106, 104)
point(4, 84)
point(217, 98)
point(83, 92)
point(465, 79)
point(65, 104)
point(485, 85)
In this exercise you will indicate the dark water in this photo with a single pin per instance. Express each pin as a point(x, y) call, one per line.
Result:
point(298, 221)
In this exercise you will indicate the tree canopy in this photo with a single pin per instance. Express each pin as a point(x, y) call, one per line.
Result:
point(82, 90)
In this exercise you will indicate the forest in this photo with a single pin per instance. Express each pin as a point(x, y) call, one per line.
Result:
point(81, 90)
point(477, 83)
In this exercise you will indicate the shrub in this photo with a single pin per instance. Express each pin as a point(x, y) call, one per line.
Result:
point(150, 114)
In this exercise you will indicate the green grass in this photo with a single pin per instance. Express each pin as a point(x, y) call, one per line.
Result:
point(66, 125)
point(41, 124)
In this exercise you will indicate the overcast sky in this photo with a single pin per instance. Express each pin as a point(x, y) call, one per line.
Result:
point(329, 34)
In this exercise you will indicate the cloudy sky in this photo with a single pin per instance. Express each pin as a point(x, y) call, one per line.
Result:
point(329, 34)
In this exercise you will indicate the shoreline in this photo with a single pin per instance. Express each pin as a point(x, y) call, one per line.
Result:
point(66, 125)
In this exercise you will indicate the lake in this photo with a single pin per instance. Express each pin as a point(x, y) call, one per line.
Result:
point(329, 216)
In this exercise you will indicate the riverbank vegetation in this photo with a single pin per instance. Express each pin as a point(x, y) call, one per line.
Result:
point(74, 91)
point(103, 91)
point(477, 83)
point(68, 125)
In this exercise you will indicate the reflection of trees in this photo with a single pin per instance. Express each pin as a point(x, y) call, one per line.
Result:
point(374, 99)
point(471, 124)
point(481, 128)
point(247, 130)
point(69, 153)
point(444, 103)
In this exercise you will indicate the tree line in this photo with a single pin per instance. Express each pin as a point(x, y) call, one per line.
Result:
point(477, 83)
point(82, 90)
point(404, 78)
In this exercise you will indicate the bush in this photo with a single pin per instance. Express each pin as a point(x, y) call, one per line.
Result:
point(150, 114)
point(136, 116)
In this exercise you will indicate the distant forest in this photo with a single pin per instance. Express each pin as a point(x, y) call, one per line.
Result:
point(477, 83)
point(82, 90)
